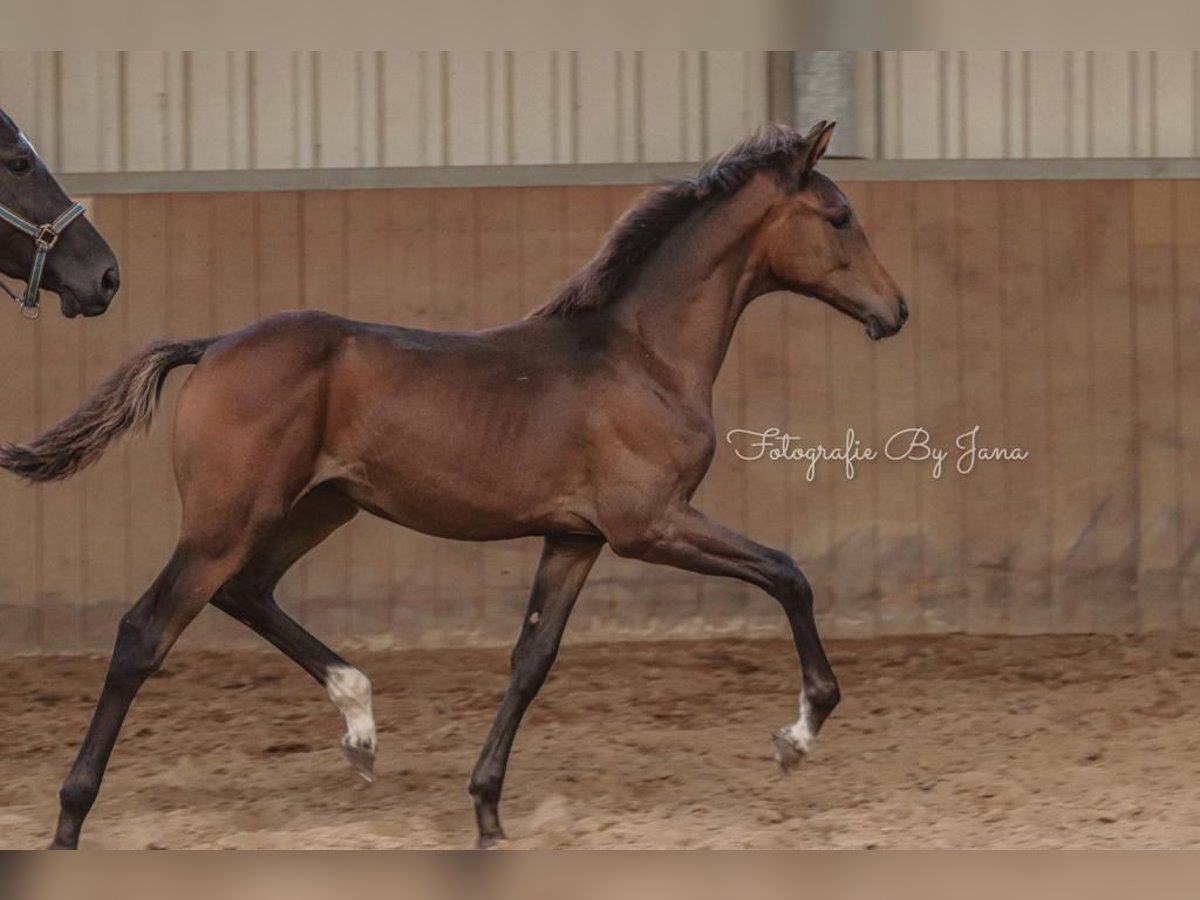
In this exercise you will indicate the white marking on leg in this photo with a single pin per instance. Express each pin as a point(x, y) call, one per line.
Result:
point(350, 690)
point(801, 734)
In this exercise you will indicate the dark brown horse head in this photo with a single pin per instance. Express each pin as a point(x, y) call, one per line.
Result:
point(79, 267)
point(816, 246)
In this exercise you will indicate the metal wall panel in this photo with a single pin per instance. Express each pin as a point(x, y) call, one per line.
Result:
point(143, 111)
point(992, 104)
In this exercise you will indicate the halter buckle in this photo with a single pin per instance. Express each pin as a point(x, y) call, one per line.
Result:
point(46, 237)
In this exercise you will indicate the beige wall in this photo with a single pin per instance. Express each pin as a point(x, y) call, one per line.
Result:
point(210, 110)
point(1059, 316)
point(980, 104)
point(149, 111)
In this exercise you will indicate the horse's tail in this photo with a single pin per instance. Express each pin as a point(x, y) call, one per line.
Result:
point(127, 400)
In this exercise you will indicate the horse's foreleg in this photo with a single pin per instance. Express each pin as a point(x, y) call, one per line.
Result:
point(145, 635)
point(561, 573)
point(684, 538)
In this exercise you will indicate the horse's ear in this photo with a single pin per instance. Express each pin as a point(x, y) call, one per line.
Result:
point(816, 143)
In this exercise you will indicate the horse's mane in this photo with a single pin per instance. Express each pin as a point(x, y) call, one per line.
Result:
point(643, 228)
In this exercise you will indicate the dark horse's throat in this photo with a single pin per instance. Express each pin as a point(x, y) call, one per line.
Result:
point(686, 302)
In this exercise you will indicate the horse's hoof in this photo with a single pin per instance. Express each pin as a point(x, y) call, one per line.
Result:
point(787, 754)
point(362, 759)
point(496, 842)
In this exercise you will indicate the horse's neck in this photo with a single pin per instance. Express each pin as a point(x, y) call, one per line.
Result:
point(687, 302)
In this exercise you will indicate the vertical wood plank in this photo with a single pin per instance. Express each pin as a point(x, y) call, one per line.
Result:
point(1071, 435)
point(1114, 526)
point(939, 383)
point(1187, 324)
point(1028, 400)
point(900, 540)
point(234, 263)
point(988, 549)
point(1155, 404)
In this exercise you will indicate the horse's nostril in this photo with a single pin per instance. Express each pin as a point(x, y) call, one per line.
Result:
point(903, 310)
point(110, 281)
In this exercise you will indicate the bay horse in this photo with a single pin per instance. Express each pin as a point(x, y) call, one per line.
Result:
point(587, 423)
point(45, 239)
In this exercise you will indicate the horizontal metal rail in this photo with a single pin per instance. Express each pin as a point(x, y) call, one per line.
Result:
point(615, 173)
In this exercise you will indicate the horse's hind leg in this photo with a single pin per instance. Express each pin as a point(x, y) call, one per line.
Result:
point(249, 598)
point(561, 573)
point(145, 635)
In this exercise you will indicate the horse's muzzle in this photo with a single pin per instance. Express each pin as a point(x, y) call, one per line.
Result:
point(878, 328)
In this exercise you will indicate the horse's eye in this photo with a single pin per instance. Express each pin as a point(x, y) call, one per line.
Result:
point(841, 221)
point(20, 165)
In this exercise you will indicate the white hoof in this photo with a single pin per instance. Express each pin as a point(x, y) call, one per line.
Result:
point(362, 759)
point(350, 690)
point(794, 742)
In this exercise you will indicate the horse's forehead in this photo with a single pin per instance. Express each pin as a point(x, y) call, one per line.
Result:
point(825, 190)
point(10, 133)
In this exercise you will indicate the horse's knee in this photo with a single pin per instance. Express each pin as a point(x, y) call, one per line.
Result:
point(788, 583)
point(136, 655)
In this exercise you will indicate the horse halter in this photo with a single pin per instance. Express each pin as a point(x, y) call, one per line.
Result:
point(44, 237)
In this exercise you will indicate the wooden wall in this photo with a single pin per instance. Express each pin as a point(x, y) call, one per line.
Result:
point(1061, 317)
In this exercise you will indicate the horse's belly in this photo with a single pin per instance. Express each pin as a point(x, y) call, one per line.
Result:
point(457, 483)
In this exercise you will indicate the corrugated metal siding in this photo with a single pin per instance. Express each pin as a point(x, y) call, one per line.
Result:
point(977, 104)
point(213, 110)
